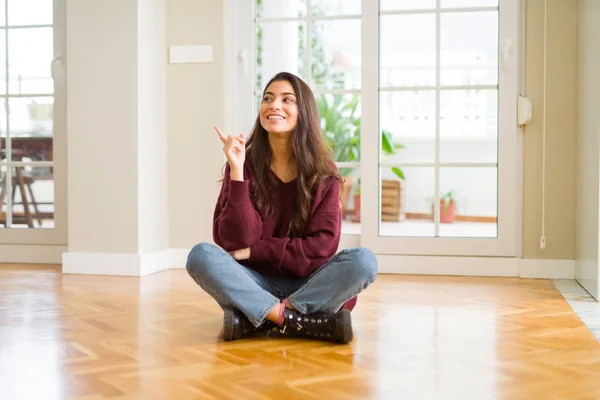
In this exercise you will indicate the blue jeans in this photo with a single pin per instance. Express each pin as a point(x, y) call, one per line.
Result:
point(233, 285)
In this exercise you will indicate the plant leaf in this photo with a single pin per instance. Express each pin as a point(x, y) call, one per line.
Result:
point(386, 142)
point(398, 172)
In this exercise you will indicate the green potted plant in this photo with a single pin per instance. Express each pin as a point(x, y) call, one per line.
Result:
point(339, 131)
point(342, 132)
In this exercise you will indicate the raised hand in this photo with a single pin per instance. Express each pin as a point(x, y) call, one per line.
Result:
point(235, 151)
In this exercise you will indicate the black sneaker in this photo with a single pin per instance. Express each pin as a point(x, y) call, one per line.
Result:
point(323, 326)
point(237, 326)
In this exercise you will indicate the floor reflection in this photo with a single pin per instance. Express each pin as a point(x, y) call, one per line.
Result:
point(416, 337)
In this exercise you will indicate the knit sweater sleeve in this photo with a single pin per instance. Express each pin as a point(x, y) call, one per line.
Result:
point(236, 223)
point(301, 256)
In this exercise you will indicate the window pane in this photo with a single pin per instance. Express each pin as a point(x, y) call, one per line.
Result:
point(280, 47)
point(2, 64)
point(409, 118)
point(468, 3)
point(350, 196)
point(31, 123)
point(406, 204)
point(336, 7)
point(30, 12)
point(2, 12)
point(469, 203)
point(469, 45)
point(469, 126)
point(2, 122)
point(280, 9)
point(258, 100)
point(30, 52)
point(3, 194)
point(335, 54)
point(400, 5)
point(340, 122)
point(407, 50)
point(3, 130)
point(33, 197)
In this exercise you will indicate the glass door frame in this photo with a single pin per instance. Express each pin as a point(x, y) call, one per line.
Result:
point(58, 234)
point(506, 242)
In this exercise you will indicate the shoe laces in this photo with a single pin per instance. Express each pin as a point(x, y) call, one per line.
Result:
point(310, 324)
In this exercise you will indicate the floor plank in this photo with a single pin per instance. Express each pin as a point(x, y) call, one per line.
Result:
point(416, 337)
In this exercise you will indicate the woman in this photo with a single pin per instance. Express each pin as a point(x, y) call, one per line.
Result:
point(277, 223)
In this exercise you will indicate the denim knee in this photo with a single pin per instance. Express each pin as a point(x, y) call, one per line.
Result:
point(364, 263)
point(197, 260)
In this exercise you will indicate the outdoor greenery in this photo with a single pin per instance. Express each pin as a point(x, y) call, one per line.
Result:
point(341, 127)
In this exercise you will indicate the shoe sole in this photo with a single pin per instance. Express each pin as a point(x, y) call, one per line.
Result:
point(344, 327)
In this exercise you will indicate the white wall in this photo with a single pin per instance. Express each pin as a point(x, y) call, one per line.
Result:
point(117, 134)
point(588, 146)
point(561, 127)
point(152, 126)
point(195, 102)
point(102, 126)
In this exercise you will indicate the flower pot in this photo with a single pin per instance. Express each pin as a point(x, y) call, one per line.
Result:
point(356, 208)
point(447, 212)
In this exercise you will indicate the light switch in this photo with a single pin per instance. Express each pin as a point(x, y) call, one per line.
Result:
point(190, 54)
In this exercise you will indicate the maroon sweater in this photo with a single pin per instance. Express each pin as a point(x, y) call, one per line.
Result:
point(238, 225)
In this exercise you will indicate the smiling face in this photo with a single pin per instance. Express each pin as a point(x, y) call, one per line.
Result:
point(279, 108)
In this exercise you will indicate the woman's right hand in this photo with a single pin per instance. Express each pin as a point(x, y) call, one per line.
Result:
point(235, 151)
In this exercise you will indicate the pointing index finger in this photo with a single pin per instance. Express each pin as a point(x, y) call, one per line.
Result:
point(221, 135)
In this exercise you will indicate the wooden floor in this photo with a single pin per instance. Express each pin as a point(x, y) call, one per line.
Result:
point(91, 337)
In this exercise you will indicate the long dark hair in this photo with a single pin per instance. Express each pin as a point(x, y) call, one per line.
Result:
point(313, 156)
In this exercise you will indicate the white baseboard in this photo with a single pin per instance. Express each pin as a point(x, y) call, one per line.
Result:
point(175, 258)
point(125, 264)
point(31, 254)
point(477, 266)
point(178, 258)
point(121, 264)
point(155, 262)
point(459, 266)
point(551, 269)
point(434, 265)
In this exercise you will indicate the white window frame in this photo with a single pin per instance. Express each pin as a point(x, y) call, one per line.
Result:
point(505, 244)
point(239, 40)
point(58, 234)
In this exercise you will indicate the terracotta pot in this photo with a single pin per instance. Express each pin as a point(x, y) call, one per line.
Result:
point(447, 213)
point(356, 208)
